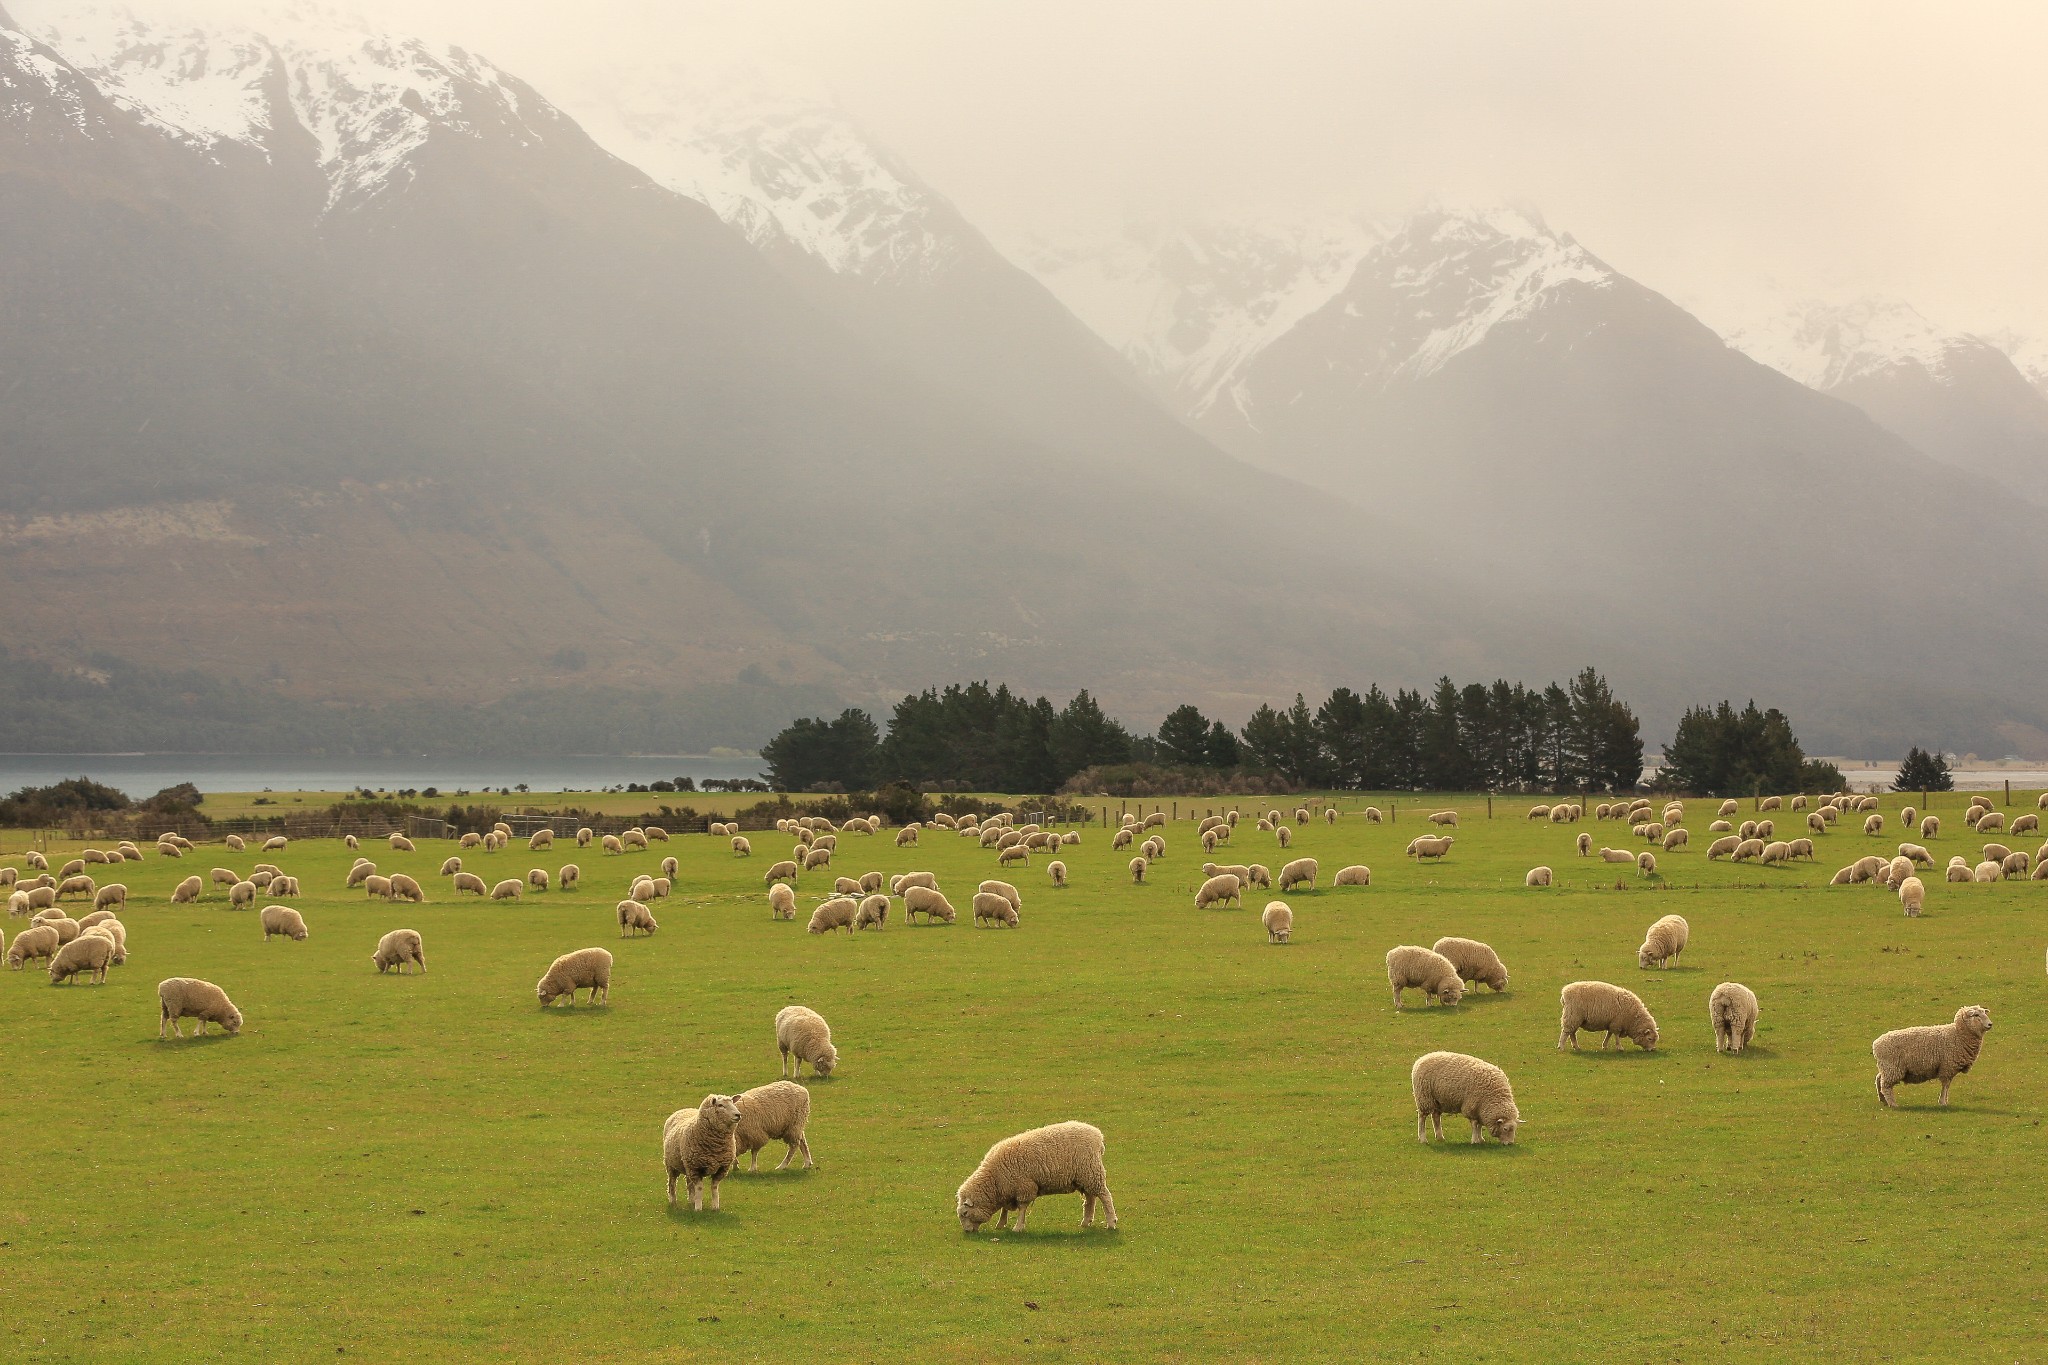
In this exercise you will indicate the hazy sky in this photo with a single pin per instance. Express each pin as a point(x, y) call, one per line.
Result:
point(1896, 148)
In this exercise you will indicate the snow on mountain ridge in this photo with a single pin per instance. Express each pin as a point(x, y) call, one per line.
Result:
point(1825, 345)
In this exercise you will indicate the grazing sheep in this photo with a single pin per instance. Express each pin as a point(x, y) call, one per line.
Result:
point(1664, 942)
point(586, 968)
point(2014, 865)
point(1609, 1009)
point(187, 997)
point(1676, 839)
point(1728, 808)
point(1622, 855)
point(187, 892)
point(1123, 838)
point(1874, 825)
point(701, 1144)
point(1996, 853)
point(1537, 876)
point(1912, 895)
point(1372, 815)
point(35, 943)
point(906, 837)
point(803, 1036)
point(400, 948)
point(96, 917)
point(1137, 868)
point(1776, 853)
point(1061, 1158)
point(113, 893)
point(781, 902)
point(1539, 812)
point(1284, 835)
point(1057, 870)
point(2024, 824)
point(244, 894)
point(90, 954)
point(1988, 871)
point(776, 1112)
point(508, 890)
point(1732, 1010)
point(1749, 848)
point(470, 882)
point(114, 932)
point(1931, 1052)
point(1720, 827)
point(782, 871)
point(1475, 962)
point(929, 902)
point(846, 886)
point(1959, 871)
point(275, 844)
point(1220, 889)
point(635, 918)
point(994, 909)
point(817, 857)
point(39, 897)
point(1435, 975)
point(1005, 890)
point(1444, 817)
point(404, 888)
point(874, 910)
point(80, 885)
point(1278, 920)
point(1992, 822)
point(357, 875)
point(1358, 874)
point(1930, 826)
point(836, 913)
point(1454, 1083)
point(282, 919)
point(740, 847)
point(1801, 848)
point(1916, 854)
point(1646, 864)
point(900, 885)
point(1428, 846)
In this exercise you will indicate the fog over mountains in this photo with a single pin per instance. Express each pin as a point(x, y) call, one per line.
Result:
point(354, 369)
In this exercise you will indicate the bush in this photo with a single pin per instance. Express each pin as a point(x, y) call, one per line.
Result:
point(1148, 779)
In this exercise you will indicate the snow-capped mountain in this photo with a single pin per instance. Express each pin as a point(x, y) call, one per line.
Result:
point(360, 104)
point(1960, 397)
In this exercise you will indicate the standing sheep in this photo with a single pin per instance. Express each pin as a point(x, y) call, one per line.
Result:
point(874, 910)
point(401, 948)
point(803, 1036)
point(1585, 845)
point(781, 902)
point(836, 913)
point(1278, 920)
point(282, 919)
point(1429, 971)
point(1608, 1009)
point(1300, 872)
point(1137, 867)
point(1454, 1083)
point(635, 918)
point(1057, 870)
point(508, 890)
point(36, 943)
point(187, 997)
point(1061, 1158)
point(1931, 1052)
point(1912, 896)
point(1646, 864)
point(1358, 874)
point(1475, 962)
point(1665, 941)
point(1537, 876)
point(90, 954)
point(928, 902)
point(586, 968)
point(1732, 1010)
point(1221, 889)
point(187, 892)
point(698, 1145)
point(776, 1112)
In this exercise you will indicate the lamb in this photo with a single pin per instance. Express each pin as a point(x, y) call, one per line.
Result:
point(1218, 890)
point(1610, 1009)
point(1061, 1158)
point(781, 902)
point(700, 1144)
point(469, 881)
point(994, 909)
point(1278, 920)
point(88, 953)
point(927, 901)
point(1435, 975)
point(1665, 941)
point(1057, 870)
point(1646, 864)
point(1874, 825)
point(186, 997)
point(1358, 874)
point(1621, 855)
point(1444, 817)
point(1676, 839)
point(782, 871)
point(282, 919)
point(400, 948)
point(1912, 895)
point(874, 910)
point(1454, 1083)
point(1732, 1010)
point(1426, 846)
point(1931, 1052)
point(1300, 872)
point(1137, 869)
point(1991, 823)
point(635, 918)
point(836, 913)
point(187, 892)
point(776, 1112)
point(35, 943)
point(589, 968)
point(803, 1036)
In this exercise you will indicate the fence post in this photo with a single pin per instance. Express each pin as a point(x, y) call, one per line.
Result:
point(2008, 791)
point(1489, 805)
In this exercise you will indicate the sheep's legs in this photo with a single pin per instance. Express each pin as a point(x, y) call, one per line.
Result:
point(672, 1189)
point(1421, 1126)
point(1944, 1090)
point(695, 1185)
point(716, 1181)
point(1397, 997)
point(1023, 1212)
point(1475, 1132)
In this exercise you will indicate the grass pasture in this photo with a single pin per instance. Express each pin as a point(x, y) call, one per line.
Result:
point(432, 1167)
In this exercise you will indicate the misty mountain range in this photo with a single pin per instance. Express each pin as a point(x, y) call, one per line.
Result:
point(356, 371)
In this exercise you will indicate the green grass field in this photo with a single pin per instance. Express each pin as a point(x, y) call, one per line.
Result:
point(432, 1167)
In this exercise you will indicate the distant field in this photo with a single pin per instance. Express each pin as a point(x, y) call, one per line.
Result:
point(434, 1168)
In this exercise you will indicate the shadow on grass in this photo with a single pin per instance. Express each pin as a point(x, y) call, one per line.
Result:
point(1066, 1234)
point(206, 1039)
point(1753, 1050)
point(1630, 1051)
point(767, 1171)
point(1474, 997)
point(576, 1011)
point(723, 1221)
point(1459, 1144)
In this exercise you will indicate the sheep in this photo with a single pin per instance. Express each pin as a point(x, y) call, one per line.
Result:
point(1776, 853)
point(1749, 848)
point(35, 943)
point(1300, 872)
point(114, 932)
point(1454, 1083)
point(1930, 827)
point(282, 919)
point(40, 897)
point(1153, 848)
point(1731, 1008)
point(1720, 827)
point(802, 1035)
point(1728, 808)
point(1912, 895)
point(470, 882)
point(1217, 890)
point(1475, 961)
point(90, 954)
point(96, 917)
point(185, 997)
point(1278, 920)
point(1435, 975)
point(113, 893)
point(1622, 855)
point(1996, 853)
point(1284, 835)
point(2024, 824)
point(1988, 871)
point(900, 884)
point(1057, 870)
point(1664, 942)
point(1060, 1158)
point(80, 885)
point(1427, 846)
point(906, 837)
point(1916, 853)
point(1931, 1052)
point(1991, 823)
point(701, 1144)
point(400, 948)
point(1137, 870)
point(874, 910)
point(782, 871)
point(634, 838)
point(927, 901)
point(187, 891)
point(1676, 839)
point(1358, 874)
point(741, 848)
point(1801, 848)
point(994, 909)
point(1539, 813)
point(469, 840)
point(1646, 864)
point(817, 857)
point(2014, 865)
point(845, 886)
point(72, 868)
point(276, 843)
point(357, 875)
point(776, 1112)
point(1372, 815)
point(1959, 871)
point(1444, 817)
point(1330, 816)
point(1610, 1009)
point(781, 902)
point(611, 844)
point(1005, 890)
point(836, 913)
point(241, 894)
point(1123, 838)
point(635, 918)
point(234, 843)
point(586, 968)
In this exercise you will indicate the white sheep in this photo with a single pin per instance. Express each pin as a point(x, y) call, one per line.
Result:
point(1137, 870)
point(1663, 943)
point(187, 892)
point(781, 902)
point(401, 948)
point(802, 1035)
point(285, 921)
point(1609, 1009)
point(1454, 1083)
point(1061, 1158)
point(1646, 864)
point(1429, 846)
point(929, 902)
point(1475, 962)
point(508, 890)
point(90, 954)
point(994, 909)
point(635, 918)
point(586, 968)
point(1732, 1010)
point(776, 1112)
point(1429, 971)
point(1538, 876)
point(1221, 889)
point(35, 943)
point(186, 997)
point(1912, 896)
point(1358, 874)
point(1931, 1052)
point(1057, 870)
point(837, 913)
point(1584, 844)
point(874, 911)
point(1278, 920)
point(701, 1144)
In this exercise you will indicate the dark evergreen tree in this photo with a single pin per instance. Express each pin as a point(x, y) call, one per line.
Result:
point(1340, 727)
point(1264, 741)
point(1184, 737)
point(1924, 772)
point(1222, 746)
point(1445, 764)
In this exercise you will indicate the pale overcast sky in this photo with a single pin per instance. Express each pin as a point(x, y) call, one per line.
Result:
point(1847, 144)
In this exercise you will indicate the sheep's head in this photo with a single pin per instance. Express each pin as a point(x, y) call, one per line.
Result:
point(972, 1215)
point(1645, 1036)
point(719, 1111)
point(823, 1065)
point(546, 991)
point(1451, 992)
point(1974, 1019)
point(233, 1023)
point(1503, 1126)
point(1644, 959)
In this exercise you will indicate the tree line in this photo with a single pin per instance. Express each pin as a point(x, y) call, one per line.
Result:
point(974, 737)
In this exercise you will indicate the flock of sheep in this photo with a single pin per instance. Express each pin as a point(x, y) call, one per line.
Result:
point(703, 1144)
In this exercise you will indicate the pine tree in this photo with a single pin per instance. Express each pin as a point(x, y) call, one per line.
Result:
point(1184, 737)
point(1924, 772)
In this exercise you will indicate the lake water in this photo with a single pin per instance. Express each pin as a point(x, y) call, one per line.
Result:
point(143, 775)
